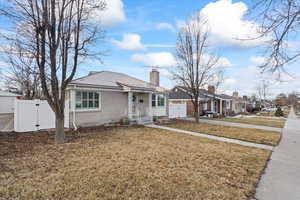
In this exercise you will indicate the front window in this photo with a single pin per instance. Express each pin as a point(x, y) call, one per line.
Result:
point(87, 100)
point(153, 100)
point(160, 100)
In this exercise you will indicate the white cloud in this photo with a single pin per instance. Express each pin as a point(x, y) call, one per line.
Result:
point(160, 45)
point(130, 42)
point(262, 61)
point(113, 13)
point(222, 62)
point(133, 42)
point(164, 25)
point(229, 81)
point(258, 60)
point(228, 25)
point(247, 79)
point(228, 86)
point(161, 59)
point(180, 23)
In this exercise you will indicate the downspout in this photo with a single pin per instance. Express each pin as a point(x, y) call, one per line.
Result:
point(74, 115)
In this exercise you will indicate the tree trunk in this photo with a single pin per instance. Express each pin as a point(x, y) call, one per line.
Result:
point(59, 129)
point(196, 112)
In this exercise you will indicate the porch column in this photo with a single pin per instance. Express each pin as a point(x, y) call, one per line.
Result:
point(129, 105)
point(212, 105)
point(221, 106)
point(150, 112)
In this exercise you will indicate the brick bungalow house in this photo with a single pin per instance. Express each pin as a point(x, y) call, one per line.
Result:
point(210, 102)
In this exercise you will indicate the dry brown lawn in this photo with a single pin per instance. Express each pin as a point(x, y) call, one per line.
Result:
point(270, 118)
point(255, 121)
point(127, 163)
point(245, 134)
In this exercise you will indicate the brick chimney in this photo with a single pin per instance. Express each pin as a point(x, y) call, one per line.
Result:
point(154, 77)
point(235, 94)
point(211, 89)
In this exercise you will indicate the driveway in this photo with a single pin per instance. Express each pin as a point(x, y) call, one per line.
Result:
point(242, 125)
point(282, 176)
point(6, 122)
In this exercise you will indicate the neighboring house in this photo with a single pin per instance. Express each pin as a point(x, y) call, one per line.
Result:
point(209, 100)
point(108, 97)
point(241, 104)
point(7, 100)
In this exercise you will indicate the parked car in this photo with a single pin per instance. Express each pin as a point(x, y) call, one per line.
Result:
point(268, 109)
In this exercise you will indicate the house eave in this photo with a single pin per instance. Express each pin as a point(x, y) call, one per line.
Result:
point(112, 88)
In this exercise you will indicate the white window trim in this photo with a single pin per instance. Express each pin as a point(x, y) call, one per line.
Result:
point(156, 100)
point(87, 109)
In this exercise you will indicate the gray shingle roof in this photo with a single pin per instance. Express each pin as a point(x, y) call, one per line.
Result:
point(180, 92)
point(115, 80)
point(8, 94)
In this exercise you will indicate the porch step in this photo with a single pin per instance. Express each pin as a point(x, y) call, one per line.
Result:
point(142, 121)
point(148, 122)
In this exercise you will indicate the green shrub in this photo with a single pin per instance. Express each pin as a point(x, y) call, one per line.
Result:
point(279, 112)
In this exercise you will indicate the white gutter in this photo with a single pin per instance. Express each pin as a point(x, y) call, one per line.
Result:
point(74, 116)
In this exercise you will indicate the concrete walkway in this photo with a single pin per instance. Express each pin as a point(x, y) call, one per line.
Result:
point(223, 123)
point(222, 139)
point(282, 176)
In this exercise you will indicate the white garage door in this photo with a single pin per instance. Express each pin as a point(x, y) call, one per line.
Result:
point(177, 110)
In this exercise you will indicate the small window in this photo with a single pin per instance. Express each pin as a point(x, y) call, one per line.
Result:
point(78, 100)
point(87, 100)
point(160, 100)
point(153, 100)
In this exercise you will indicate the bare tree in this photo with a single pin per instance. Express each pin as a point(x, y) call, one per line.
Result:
point(22, 75)
point(262, 89)
point(280, 21)
point(59, 33)
point(197, 65)
point(218, 80)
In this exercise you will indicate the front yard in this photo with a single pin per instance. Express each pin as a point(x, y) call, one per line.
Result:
point(246, 134)
point(255, 121)
point(127, 163)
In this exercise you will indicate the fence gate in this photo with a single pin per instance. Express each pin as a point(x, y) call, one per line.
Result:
point(177, 110)
point(34, 115)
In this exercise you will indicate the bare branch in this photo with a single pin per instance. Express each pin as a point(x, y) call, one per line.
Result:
point(58, 34)
point(197, 65)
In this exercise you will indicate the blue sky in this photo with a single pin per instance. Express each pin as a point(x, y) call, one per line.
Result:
point(140, 33)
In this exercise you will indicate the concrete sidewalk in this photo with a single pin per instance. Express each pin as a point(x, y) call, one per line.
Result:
point(222, 139)
point(223, 123)
point(282, 176)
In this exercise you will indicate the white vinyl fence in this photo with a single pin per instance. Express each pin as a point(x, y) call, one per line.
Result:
point(177, 110)
point(34, 115)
